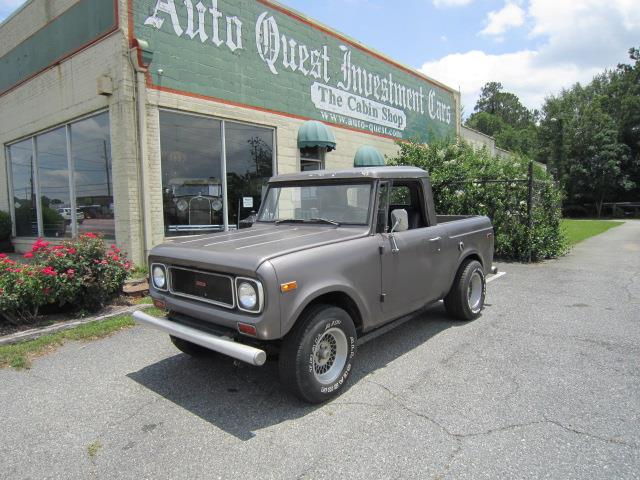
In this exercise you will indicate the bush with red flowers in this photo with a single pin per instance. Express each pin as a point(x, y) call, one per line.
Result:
point(75, 275)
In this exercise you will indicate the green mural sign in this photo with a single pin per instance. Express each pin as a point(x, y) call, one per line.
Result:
point(256, 53)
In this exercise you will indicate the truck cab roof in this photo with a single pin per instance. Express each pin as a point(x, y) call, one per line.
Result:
point(352, 174)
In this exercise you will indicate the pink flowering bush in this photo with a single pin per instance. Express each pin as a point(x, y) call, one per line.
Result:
point(78, 275)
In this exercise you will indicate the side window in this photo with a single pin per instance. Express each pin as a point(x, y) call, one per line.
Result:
point(407, 195)
point(383, 203)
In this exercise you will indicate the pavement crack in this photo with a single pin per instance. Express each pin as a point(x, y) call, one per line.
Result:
point(590, 435)
point(398, 400)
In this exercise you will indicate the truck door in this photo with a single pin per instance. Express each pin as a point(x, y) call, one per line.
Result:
point(411, 260)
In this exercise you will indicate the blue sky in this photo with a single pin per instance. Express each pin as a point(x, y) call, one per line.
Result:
point(534, 47)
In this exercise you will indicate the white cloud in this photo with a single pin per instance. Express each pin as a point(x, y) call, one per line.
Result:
point(498, 22)
point(571, 42)
point(451, 3)
point(518, 72)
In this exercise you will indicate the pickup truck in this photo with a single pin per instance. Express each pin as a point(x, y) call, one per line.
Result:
point(333, 257)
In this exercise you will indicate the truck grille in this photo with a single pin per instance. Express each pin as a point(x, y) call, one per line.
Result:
point(205, 286)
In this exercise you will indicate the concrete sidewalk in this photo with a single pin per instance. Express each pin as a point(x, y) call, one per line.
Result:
point(546, 384)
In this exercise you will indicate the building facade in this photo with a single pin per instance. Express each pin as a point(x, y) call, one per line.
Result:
point(146, 119)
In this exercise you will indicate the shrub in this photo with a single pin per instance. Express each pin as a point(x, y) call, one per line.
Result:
point(81, 275)
point(5, 226)
point(460, 178)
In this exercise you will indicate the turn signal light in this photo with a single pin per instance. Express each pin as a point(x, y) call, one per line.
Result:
point(247, 329)
point(287, 287)
point(159, 304)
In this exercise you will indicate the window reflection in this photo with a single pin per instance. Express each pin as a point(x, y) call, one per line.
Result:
point(191, 173)
point(91, 160)
point(91, 151)
point(24, 195)
point(249, 166)
point(53, 175)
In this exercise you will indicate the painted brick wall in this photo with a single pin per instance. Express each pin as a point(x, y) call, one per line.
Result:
point(30, 18)
point(68, 91)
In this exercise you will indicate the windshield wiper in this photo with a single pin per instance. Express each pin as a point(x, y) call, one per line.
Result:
point(290, 220)
point(308, 220)
point(323, 220)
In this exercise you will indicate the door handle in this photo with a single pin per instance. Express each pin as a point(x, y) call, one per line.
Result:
point(435, 242)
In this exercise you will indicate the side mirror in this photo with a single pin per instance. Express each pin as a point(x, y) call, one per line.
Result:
point(400, 220)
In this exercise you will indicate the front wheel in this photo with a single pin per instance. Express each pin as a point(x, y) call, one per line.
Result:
point(465, 300)
point(316, 357)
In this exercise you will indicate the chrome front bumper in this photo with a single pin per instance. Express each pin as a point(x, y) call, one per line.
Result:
point(223, 345)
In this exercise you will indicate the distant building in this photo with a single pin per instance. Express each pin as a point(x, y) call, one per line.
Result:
point(480, 140)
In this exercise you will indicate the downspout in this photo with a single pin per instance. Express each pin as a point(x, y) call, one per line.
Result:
point(140, 70)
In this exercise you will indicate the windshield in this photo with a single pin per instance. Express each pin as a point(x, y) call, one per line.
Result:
point(341, 203)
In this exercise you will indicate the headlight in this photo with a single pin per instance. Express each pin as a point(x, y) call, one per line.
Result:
point(159, 277)
point(249, 295)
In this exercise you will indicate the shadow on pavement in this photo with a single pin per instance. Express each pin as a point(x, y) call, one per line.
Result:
point(241, 399)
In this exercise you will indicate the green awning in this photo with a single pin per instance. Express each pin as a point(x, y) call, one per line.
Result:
point(316, 134)
point(368, 156)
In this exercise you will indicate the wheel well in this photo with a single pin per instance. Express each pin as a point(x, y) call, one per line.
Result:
point(344, 301)
point(473, 256)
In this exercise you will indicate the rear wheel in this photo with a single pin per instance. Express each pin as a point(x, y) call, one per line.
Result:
point(191, 349)
point(316, 356)
point(465, 300)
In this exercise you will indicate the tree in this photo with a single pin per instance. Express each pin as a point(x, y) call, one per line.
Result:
point(589, 136)
point(501, 115)
point(596, 157)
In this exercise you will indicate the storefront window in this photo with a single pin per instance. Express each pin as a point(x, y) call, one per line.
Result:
point(91, 153)
point(249, 166)
point(311, 158)
point(44, 171)
point(53, 175)
point(193, 191)
point(191, 173)
point(24, 195)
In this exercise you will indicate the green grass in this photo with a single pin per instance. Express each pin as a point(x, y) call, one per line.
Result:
point(93, 448)
point(19, 355)
point(579, 230)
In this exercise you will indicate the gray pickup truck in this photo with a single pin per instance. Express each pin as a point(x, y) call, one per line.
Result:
point(333, 257)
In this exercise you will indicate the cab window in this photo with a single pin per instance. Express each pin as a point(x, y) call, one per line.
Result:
point(407, 194)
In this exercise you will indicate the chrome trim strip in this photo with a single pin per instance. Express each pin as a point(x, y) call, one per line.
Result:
point(471, 233)
point(202, 299)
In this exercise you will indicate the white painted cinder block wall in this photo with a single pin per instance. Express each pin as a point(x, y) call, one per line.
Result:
point(68, 91)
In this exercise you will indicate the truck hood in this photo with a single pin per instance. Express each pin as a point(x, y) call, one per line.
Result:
point(243, 251)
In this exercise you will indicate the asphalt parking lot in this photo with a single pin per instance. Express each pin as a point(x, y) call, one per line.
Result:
point(546, 384)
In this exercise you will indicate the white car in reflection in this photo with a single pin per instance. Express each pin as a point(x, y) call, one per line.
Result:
point(65, 213)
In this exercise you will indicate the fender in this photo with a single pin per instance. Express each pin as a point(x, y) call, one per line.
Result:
point(466, 253)
point(305, 297)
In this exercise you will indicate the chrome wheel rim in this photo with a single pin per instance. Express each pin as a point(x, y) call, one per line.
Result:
point(329, 356)
point(474, 291)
